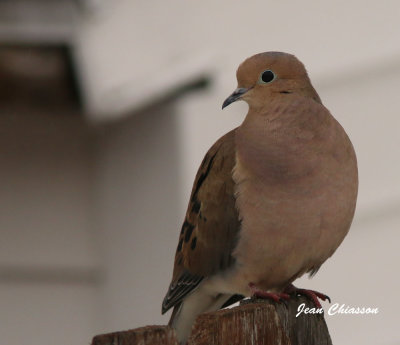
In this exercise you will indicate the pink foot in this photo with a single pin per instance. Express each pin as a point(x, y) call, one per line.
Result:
point(313, 295)
point(277, 297)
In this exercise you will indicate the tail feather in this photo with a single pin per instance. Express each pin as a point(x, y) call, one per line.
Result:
point(185, 313)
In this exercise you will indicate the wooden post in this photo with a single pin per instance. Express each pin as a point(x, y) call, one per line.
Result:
point(254, 322)
point(149, 335)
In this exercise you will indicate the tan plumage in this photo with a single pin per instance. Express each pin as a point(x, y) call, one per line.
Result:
point(272, 199)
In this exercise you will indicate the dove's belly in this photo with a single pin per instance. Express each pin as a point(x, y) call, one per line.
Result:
point(287, 231)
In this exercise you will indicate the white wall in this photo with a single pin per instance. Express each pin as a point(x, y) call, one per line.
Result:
point(137, 193)
point(133, 51)
point(49, 272)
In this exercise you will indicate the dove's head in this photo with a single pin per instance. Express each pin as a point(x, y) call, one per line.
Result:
point(265, 76)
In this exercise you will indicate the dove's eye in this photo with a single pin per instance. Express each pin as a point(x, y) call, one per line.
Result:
point(266, 77)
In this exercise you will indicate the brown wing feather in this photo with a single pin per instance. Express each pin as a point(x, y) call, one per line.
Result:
point(210, 229)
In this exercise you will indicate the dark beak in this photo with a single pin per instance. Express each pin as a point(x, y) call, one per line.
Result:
point(235, 96)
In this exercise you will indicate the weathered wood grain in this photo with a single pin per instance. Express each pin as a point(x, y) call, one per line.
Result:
point(254, 322)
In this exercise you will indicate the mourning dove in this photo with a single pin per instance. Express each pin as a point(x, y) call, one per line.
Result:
point(272, 199)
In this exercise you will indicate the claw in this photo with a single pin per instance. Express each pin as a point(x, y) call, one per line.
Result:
point(258, 293)
point(311, 294)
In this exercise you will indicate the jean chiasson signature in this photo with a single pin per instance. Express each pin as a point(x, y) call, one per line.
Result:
point(335, 309)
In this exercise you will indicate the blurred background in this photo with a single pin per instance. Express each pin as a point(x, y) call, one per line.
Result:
point(106, 110)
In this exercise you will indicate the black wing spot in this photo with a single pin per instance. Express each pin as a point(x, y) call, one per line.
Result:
point(194, 242)
point(201, 217)
point(196, 205)
point(188, 230)
point(179, 245)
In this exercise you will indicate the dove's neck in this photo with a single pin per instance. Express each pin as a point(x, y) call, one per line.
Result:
point(284, 137)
